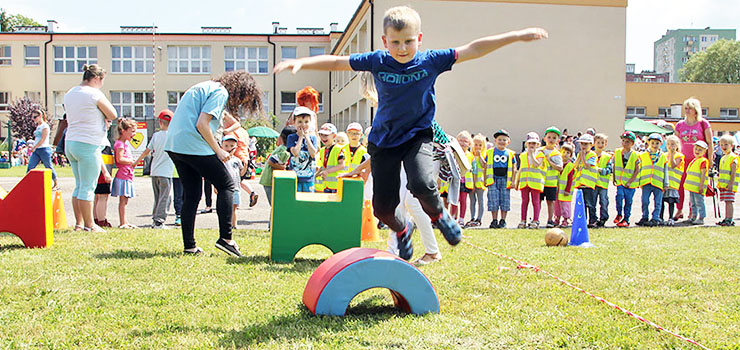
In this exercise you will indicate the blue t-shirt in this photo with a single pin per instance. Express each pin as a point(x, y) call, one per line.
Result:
point(304, 165)
point(406, 101)
point(501, 162)
point(183, 136)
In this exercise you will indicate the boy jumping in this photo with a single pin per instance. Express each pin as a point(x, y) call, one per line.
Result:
point(401, 132)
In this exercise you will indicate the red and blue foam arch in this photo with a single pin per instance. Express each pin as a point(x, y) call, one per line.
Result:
point(348, 273)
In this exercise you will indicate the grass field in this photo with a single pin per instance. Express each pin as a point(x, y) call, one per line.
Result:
point(133, 290)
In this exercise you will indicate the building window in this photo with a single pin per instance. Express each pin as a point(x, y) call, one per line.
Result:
point(58, 104)
point(132, 59)
point(635, 111)
point(189, 59)
point(173, 99)
point(4, 101)
point(33, 95)
point(129, 104)
point(5, 59)
point(288, 52)
point(705, 112)
point(316, 51)
point(664, 112)
point(32, 56)
point(728, 112)
point(321, 102)
point(70, 59)
point(287, 102)
point(251, 59)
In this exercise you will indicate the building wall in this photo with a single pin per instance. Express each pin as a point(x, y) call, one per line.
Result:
point(677, 46)
point(18, 78)
point(573, 80)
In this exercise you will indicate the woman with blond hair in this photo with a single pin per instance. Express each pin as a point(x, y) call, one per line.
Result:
point(692, 129)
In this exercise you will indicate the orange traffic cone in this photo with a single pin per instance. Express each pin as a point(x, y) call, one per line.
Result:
point(369, 223)
point(58, 214)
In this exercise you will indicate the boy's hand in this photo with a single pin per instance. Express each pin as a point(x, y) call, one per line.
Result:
point(531, 34)
point(294, 65)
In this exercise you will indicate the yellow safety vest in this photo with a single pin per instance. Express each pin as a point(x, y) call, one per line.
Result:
point(509, 169)
point(603, 180)
point(444, 186)
point(355, 159)
point(622, 172)
point(330, 181)
point(675, 174)
point(551, 175)
point(479, 174)
point(725, 171)
point(563, 183)
point(531, 177)
point(693, 175)
point(651, 173)
point(587, 175)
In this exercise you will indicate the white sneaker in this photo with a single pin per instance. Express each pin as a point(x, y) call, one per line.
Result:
point(160, 226)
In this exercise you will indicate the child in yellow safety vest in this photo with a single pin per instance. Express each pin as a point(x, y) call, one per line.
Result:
point(530, 180)
point(566, 180)
point(587, 173)
point(331, 160)
point(728, 179)
point(674, 166)
point(465, 140)
point(696, 183)
point(356, 153)
point(553, 167)
point(626, 171)
point(652, 175)
point(475, 180)
point(605, 162)
point(500, 173)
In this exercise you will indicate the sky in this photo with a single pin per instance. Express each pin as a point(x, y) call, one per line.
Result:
point(647, 20)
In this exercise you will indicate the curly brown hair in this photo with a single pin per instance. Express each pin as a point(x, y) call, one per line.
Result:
point(244, 93)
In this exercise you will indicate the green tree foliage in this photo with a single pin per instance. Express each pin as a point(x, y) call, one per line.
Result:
point(720, 63)
point(265, 145)
point(8, 22)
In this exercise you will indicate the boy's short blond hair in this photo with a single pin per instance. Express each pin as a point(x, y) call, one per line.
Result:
point(401, 17)
point(601, 136)
point(480, 138)
point(727, 138)
point(673, 139)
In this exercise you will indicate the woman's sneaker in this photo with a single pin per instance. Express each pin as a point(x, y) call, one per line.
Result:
point(522, 224)
point(403, 242)
point(449, 228)
point(231, 249)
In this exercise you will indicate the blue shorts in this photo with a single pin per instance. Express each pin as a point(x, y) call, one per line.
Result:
point(85, 160)
point(305, 186)
point(237, 197)
point(499, 197)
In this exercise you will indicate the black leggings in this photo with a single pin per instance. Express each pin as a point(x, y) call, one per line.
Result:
point(208, 193)
point(418, 161)
point(192, 170)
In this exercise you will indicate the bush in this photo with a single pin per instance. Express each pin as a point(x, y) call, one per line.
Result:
point(21, 119)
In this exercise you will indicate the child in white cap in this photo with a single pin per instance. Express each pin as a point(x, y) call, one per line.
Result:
point(531, 179)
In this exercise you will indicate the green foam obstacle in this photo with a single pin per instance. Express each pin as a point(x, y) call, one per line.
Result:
point(301, 219)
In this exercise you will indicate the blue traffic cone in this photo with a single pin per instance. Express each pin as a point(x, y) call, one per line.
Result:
point(579, 231)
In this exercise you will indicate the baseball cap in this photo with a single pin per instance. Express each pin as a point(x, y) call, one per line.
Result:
point(628, 135)
point(328, 129)
point(591, 131)
point(533, 137)
point(655, 136)
point(354, 126)
point(553, 129)
point(586, 138)
point(300, 110)
point(166, 115)
point(501, 132)
point(228, 137)
point(701, 144)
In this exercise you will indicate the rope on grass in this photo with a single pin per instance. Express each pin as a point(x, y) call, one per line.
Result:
point(525, 265)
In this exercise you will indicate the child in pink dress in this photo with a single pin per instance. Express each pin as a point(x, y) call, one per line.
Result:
point(123, 183)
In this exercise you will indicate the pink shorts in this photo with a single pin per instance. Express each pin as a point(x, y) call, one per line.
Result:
point(726, 195)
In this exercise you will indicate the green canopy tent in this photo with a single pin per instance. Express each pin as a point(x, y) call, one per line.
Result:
point(639, 126)
point(263, 131)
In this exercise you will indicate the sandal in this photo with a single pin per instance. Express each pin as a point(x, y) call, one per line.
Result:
point(94, 228)
point(128, 226)
point(79, 228)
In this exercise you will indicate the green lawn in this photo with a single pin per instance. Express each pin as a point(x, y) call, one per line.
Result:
point(133, 290)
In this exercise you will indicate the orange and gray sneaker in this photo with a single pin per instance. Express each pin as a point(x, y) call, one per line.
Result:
point(623, 223)
point(618, 219)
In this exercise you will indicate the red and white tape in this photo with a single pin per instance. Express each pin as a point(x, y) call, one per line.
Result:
point(525, 265)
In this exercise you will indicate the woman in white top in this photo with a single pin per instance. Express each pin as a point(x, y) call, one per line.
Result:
point(41, 151)
point(89, 114)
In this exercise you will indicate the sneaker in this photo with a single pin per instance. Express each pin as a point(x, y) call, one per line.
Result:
point(623, 223)
point(449, 228)
point(522, 224)
point(160, 226)
point(231, 249)
point(253, 199)
point(689, 221)
point(381, 225)
point(502, 223)
point(474, 223)
point(730, 222)
point(618, 219)
point(178, 221)
point(494, 224)
point(565, 223)
point(656, 222)
point(403, 242)
point(534, 224)
point(601, 223)
point(591, 224)
point(670, 222)
point(197, 251)
point(642, 222)
point(206, 211)
point(550, 224)
point(698, 222)
point(428, 259)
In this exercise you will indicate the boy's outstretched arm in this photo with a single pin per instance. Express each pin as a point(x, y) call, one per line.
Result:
point(483, 46)
point(322, 62)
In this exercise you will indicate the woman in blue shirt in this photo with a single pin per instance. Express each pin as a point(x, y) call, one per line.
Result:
point(196, 153)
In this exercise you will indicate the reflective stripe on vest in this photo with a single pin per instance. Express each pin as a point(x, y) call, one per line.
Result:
point(603, 180)
point(725, 172)
point(693, 175)
point(675, 174)
point(531, 177)
point(509, 169)
point(551, 174)
point(587, 175)
point(622, 172)
point(355, 159)
point(563, 183)
point(651, 173)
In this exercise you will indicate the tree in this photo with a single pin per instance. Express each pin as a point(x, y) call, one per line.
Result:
point(720, 63)
point(265, 145)
point(8, 22)
point(21, 117)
